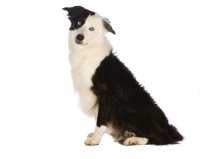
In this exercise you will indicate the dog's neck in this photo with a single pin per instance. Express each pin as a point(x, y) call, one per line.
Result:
point(94, 52)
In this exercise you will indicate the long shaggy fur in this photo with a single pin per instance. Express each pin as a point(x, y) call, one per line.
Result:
point(108, 91)
point(127, 107)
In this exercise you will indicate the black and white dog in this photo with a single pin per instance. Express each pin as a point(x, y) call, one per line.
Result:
point(107, 89)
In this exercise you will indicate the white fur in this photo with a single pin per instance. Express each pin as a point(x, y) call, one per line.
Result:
point(85, 58)
point(95, 138)
point(135, 141)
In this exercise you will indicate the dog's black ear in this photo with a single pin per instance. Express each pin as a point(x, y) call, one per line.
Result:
point(77, 11)
point(107, 26)
point(73, 10)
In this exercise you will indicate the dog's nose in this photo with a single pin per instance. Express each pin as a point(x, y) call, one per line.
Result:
point(79, 37)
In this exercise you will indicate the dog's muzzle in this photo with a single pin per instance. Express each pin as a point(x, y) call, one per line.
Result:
point(79, 39)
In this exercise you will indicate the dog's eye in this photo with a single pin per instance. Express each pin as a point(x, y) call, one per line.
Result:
point(79, 23)
point(91, 29)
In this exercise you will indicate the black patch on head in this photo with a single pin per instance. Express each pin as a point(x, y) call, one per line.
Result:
point(107, 26)
point(77, 16)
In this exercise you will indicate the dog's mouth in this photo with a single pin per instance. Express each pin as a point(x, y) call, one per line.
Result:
point(80, 42)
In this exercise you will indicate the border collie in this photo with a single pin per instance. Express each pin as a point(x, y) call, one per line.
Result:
point(108, 91)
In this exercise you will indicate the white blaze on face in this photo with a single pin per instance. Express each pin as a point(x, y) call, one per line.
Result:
point(90, 35)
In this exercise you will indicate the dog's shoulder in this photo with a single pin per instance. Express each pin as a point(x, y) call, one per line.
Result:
point(111, 66)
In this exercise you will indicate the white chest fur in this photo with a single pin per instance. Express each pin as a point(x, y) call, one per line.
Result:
point(84, 60)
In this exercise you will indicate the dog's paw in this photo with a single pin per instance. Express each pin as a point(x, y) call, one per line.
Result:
point(91, 141)
point(135, 141)
point(90, 135)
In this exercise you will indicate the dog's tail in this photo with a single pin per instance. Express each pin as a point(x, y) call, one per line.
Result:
point(174, 135)
point(168, 136)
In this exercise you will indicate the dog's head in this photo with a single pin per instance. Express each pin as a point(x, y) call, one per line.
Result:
point(87, 25)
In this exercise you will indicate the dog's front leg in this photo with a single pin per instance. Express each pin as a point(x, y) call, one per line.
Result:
point(95, 138)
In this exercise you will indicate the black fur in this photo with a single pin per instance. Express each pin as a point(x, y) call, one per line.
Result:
point(108, 27)
point(77, 14)
point(126, 106)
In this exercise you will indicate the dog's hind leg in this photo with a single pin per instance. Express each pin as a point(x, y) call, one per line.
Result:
point(135, 141)
point(95, 138)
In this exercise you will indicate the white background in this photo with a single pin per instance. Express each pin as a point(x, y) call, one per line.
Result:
point(39, 118)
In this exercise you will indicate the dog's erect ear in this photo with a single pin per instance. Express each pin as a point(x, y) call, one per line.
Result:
point(76, 11)
point(107, 26)
point(73, 10)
